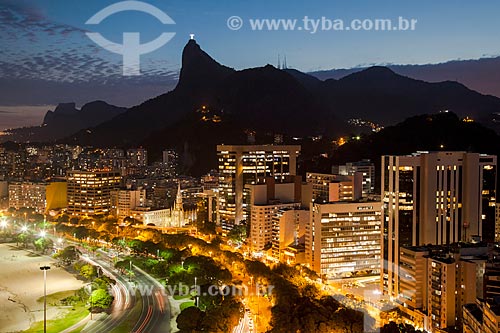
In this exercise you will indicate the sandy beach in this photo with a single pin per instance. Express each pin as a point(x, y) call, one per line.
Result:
point(21, 284)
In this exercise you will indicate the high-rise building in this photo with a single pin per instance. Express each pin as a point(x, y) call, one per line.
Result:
point(413, 283)
point(210, 181)
point(261, 223)
point(207, 206)
point(170, 162)
point(497, 222)
point(89, 192)
point(481, 316)
point(441, 303)
point(434, 198)
point(4, 194)
point(437, 281)
point(365, 167)
point(124, 201)
point(249, 164)
point(137, 157)
point(42, 197)
point(343, 238)
point(269, 199)
point(332, 188)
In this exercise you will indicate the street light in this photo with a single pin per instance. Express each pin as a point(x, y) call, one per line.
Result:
point(196, 291)
point(45, 269)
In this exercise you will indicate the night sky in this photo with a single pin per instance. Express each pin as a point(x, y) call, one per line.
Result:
point(46, 57)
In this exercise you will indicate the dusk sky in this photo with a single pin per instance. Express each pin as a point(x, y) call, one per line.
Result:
point(46, 57)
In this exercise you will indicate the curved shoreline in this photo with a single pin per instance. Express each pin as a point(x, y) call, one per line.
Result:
point(21, 285)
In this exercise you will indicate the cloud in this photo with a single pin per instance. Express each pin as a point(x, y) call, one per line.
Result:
point(18, 16)
point(45, 62)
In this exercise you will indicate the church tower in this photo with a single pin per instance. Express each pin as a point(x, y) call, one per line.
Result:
point(178, 199)
point(177, 212)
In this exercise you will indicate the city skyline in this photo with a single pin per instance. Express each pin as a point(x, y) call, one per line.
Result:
point(331, 224)
point(243, 167)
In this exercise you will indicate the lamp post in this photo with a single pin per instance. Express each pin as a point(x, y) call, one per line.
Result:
point(196, 291)
point(45, 269)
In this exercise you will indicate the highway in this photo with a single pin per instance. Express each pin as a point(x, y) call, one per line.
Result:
point(245, 325)
point(124, 300)
point(155, 312)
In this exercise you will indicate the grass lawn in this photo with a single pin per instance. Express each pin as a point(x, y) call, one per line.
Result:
point(128, 324)
point(178, 297)
point(186, 305)
point(70, 317)
point(56, 297)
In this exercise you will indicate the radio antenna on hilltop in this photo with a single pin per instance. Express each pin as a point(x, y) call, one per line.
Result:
point(279, 64)
point(284, 63)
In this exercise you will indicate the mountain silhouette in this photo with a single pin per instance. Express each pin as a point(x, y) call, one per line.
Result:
point(260, 99)
point(65, 120)
point(478, 74)
point(380, 95)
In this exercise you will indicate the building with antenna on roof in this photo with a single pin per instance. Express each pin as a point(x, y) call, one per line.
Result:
point(280, 64)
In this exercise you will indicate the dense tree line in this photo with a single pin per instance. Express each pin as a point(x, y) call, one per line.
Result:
point(297, 304)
